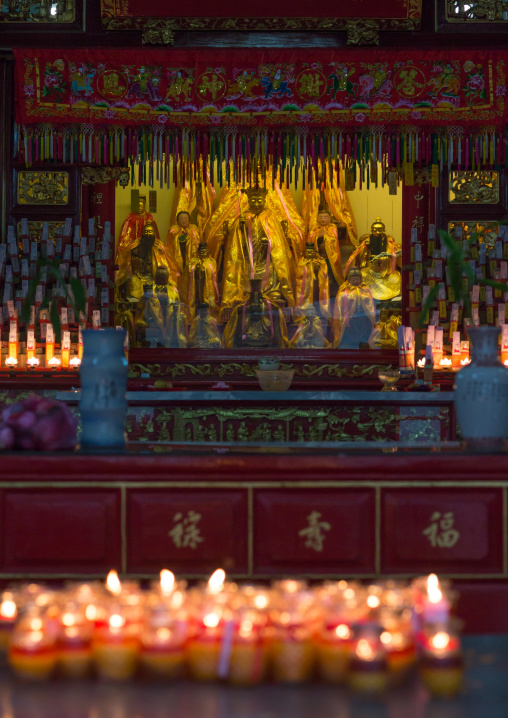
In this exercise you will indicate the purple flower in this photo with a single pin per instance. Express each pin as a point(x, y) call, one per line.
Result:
point(109, 114)
point(476, 82)
point(51, 79)
point(29, 90)
point(162, 119)
point(501, 90)
point(360, 117)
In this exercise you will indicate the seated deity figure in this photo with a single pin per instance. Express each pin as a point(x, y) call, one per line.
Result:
point(256, 323)
point(386, 333)
point(332, 195)
point(182, 243)
point(133, 225)
point(201, 283)
point(139, 266)
point(257, 248)
point(312, 287)
point(325, 238)
point(309, 333)
point(376, 255)
point(204, 331)
point(175, 330)
point(148, 319)
point(354, 314)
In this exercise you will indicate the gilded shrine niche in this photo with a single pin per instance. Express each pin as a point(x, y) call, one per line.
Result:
point(474, 187)
point(45, 11)
point(485, 231)
point(43, 188)
point(477, 11)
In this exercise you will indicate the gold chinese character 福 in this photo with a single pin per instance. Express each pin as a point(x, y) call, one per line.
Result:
point(440, 532)
point(185, 533)
point(313, 532)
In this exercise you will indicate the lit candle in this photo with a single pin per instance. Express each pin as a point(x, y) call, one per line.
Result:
point(8, 616)
point(248, 656)
point(445, 362)
point(13, 341)
point(205, 644)
point(50, 343)
point(113, 583)
point(442, 667)
point(66, 349)
point(164, 638)
point(30, 346)
point(74, 642)
point(115, 649)
point(421, 363)
point(75, 362)
point(368, 668)
point(11, 362)
point(436, 607)
point(32, 651)
point(33, 362)
point(53, 363)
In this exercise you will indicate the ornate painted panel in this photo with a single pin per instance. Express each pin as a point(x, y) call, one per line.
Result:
point(42, 11)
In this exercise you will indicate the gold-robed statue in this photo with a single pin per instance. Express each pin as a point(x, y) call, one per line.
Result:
point(309, 332)
point(204, 331)
point(257, 248)
point(182, 243)
point(354, 315)
point(132, 228)
point(201, 283)
point(312, 287)
point(139, 264)
point(257, 322)
point(325, 238)
point(386, 334)
point(196, 197)
point(376, 255)
point(336, 200)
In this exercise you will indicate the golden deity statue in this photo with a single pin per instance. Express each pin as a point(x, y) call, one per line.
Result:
point(182, 243)
point(336, 199)
point(132, 228)
point(195, 197)
point(354, 315)
point(376, 255)
point(257, 248)
point(257, 322)
point(312, 288)
point(201, 283)
point(309, 333)
point(139, 265)
point(204, 331)
point(386, 334)
point(325, 237)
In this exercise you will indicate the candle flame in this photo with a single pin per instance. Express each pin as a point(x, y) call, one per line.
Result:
point(33, 361)
point(211, 620)
point(373, 601)
point(421, 363)
point(465, 361)
point(216, 580)
point(8, 609)
point(433, 591)
point(113, 583)
point(445, 361)
point(91, 612)
point(342, 631)
point(116, 621)
point(167, 581)
point(11, 361)
point(440, 641)
point(505, 362)
point(35, 624)
point(364, 650)
point(54, 361)
point(68, 619)
point(75, 361)
point(261, 601)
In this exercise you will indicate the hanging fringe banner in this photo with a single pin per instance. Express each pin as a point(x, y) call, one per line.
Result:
point(243, 112)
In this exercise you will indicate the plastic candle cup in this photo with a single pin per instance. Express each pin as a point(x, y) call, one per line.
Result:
point(8, 616)
point(442, 668)
point(32, 651)
point(74, 642)
point(248, 657)
point(115, 648)
point(368, 668)
point(164, 639)
point(205, 644)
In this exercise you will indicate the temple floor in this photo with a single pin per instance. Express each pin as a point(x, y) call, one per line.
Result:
point(485, 695)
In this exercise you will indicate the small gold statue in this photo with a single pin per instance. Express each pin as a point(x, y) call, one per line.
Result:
point(204, 331)
point(132, 228)
point(139, 266)
point(201, 283)
point(354, 314)
point(182, 243)
point(312, 287)
point(256, 323)
point(309, 334)
point(377, 257)
point(386, 333)
point(257, 248)
point(325, 237)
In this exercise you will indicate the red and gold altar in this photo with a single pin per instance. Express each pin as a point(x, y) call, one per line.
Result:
point(240, 213)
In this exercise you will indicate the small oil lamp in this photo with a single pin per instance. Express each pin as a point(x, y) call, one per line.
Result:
point(164, 638)
point(75, 363)
point(368, 667)
point(442, 668)
point(74, 642)
point(115, 649)
point(33, 362)
point(32, 651)
point(8, 616)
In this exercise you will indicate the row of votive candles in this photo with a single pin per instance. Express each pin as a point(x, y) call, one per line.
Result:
point(341, 632)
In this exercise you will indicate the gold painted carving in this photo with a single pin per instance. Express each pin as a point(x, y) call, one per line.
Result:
point(362, 32)
point(35, 230)
point(479, 187)
point(43, 188)
point(46, 11)
point(101, 175)
point(478, 11)
point(158, 32)
point(486, 232)
point(440, 532)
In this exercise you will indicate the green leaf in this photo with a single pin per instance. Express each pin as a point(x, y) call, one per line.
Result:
point(428, 303)
point(55, 320)
point(79, 296)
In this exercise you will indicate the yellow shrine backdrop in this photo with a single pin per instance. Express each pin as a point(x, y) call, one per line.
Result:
point(366, 204)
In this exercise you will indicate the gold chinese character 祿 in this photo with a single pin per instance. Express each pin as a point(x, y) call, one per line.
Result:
point(256, 323)
point(132, 228)
point(182, 243)
point(376, 256)
point(200, 285)
point(312, 282)
point(204, 331)
point(354, 315)
point(257, 248)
